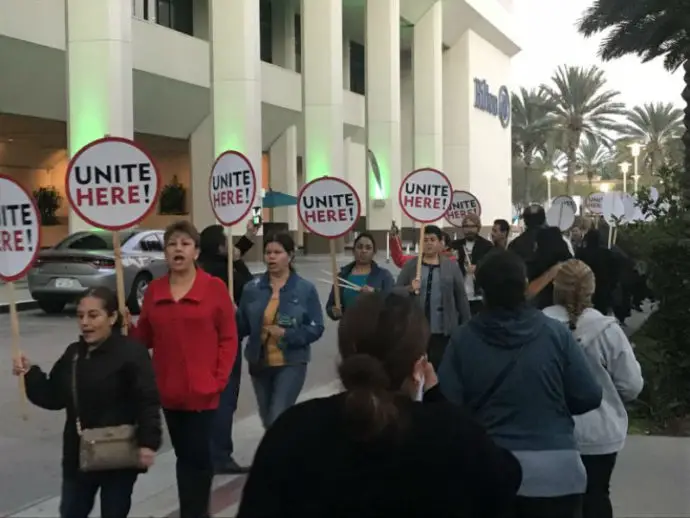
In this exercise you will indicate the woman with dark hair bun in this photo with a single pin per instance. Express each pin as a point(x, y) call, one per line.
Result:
point(389, 444)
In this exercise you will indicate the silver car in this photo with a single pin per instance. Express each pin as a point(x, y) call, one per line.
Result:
point(86, 260)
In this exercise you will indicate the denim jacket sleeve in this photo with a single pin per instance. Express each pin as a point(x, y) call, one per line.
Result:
point(311, 328)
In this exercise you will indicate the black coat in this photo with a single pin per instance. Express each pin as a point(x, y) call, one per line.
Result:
point(217, 265)
point(115, 386)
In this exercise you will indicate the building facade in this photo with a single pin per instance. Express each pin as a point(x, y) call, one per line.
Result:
point(366, 90)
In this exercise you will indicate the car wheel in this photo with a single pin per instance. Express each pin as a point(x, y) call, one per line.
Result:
point(52, 306)
point(136, 294)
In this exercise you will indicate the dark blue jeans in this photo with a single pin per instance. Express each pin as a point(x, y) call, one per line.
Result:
point(221, 439)
point(79, 492)
point(277, 389)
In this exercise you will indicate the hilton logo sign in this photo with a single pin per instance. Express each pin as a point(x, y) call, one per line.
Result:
point(496, 105)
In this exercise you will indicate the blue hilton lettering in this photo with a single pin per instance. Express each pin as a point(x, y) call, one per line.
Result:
point(496, 105)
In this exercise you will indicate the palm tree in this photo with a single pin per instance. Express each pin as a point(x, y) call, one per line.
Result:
point(592, 157)
point(530, 125)
point(649, 29)
point(655, 126)
point(582, 106)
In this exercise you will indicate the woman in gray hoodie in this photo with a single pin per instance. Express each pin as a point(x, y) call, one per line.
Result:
point(601, 433)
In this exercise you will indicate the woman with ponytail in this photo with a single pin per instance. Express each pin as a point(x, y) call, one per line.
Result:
point(600, 433)
point(389, 444)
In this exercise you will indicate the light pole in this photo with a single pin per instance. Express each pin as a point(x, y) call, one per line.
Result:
point(625, 167)
point(635, 149)
point(548, 175)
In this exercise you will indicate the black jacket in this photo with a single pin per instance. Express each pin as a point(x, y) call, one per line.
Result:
point(115, 386)
point(216, 264)
point(482, 246)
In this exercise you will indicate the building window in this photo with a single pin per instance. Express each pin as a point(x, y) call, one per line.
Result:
point(357, 68)
point(266, 31)
point(298, 44)
point(176, 15)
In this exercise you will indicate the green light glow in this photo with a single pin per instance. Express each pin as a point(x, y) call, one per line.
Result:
point(383, 191)
point(88, 119)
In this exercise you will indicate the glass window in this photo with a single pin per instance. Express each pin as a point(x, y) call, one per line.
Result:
point(98, 240)
point(266, 31)
point(176, 14)
point(357, 68)
point(151, 244)
point(298, 44)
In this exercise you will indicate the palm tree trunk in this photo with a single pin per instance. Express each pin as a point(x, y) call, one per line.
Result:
point(527, 161)
point(685, 176)
point(571, 154)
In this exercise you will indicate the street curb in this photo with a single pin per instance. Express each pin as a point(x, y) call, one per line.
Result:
point(22, 305)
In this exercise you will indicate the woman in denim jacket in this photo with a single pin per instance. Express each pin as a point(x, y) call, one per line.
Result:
point(363, 272)
point(280, 314)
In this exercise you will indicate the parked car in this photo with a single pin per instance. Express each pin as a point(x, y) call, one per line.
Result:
point(86, 259)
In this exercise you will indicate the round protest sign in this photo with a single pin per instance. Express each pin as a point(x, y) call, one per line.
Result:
point(328, 207)
point(425, 195)
point(112, 183)
point(612, 208)
point(20, 230)
point(593, 202)
point(462, 204)
point(232, 187)
point(629, 207)
point(562, 212)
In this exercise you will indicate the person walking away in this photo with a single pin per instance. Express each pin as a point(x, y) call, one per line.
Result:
point(399, 258)
point(280, 315)
point(603, 264)
point(389, 445)
point(550, 251)
point(601, 433)
point(188, 321)
point(471, 249)
point(534, 219)
point(213, 259)
point(500, 233)
point(362, 272)
point(440, 292)
point(523, 377)
point(103, 380)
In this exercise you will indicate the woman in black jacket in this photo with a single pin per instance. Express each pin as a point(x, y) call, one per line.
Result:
point(115, 385)
point(377, 449)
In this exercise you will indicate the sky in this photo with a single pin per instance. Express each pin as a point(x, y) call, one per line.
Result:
point(548, 38)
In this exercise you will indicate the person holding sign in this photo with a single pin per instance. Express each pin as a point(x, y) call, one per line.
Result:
point(362, 275)
point(395, 245)
point(440, 290)
point(280, 315)
point(103, 381)
point(188, 321)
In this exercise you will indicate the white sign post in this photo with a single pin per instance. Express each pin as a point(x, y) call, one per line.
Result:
point(425, 196)
point(113, 183)
point(329, 207)
point(562, 212)
point(462, 204)
point(20, 236)
point(613, 211)
point(231, 190)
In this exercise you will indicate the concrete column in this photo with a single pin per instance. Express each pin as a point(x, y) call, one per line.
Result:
point(283, 163)
point(236, 82)
point(283, 21)
point(383, 111)
point(456, 105)
point(201, 159)
point(428, 89)
point(99, 75)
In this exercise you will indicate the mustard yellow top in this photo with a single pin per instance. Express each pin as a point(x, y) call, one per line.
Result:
point(274, 356)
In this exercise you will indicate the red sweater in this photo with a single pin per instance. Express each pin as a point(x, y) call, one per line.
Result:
point(399, 259)
point(194, 341)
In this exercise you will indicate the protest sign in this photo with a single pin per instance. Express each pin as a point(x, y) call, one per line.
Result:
point(562, 212)
point(593, 203)
point(232, 187)
point(425, 195)
point(112, 183)
point(462, 204)
point(20, 230)
point(328, 207)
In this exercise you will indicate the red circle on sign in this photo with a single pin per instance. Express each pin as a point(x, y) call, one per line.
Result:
point(479, 206)
point(331, 178)
point(37, 248)
point(402, 185)
point(154, 198)
point(210, 180)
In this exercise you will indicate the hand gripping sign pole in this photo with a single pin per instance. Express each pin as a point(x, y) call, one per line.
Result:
point(20, 236)
point(231, 190)
point(329, 207)
point(113, 183)
point(425, 196)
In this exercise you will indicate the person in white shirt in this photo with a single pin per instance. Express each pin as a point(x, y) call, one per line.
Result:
point(600, 433)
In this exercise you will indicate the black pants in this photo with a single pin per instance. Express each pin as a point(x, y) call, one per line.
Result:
point(190, 434)
point(79, 492)
point(476, 306)
point(569, 506)
point(597, 502)
point(435, 349)
point(222, 427)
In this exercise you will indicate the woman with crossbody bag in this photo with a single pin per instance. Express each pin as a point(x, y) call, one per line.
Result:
point(106, 384)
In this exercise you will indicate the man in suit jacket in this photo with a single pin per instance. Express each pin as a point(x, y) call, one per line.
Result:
point(471, 249)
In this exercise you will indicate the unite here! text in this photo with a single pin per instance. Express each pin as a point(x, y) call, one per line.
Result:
point(120, 184)
point(232, 188)
point(460, 209)
point(425, 196)
point(19, 239)
point(328, 208)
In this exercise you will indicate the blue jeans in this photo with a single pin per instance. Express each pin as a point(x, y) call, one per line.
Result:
point(277, 389)
point(79, 493)
point(221, 436)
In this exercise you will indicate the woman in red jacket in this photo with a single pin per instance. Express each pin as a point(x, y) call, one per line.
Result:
point(399, 258)
point(188, 320)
